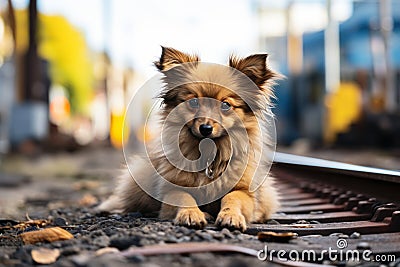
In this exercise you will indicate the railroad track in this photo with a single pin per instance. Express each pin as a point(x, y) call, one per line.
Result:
point(332, 214)
point(325, 203)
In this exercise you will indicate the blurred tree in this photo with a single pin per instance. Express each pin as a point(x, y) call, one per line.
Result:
point(64, 46)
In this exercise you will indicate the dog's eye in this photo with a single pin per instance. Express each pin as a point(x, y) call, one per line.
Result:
point(225, 106)
point(194, 103)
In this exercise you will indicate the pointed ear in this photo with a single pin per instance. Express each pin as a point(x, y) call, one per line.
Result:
point(255, 67)
point(171, 57)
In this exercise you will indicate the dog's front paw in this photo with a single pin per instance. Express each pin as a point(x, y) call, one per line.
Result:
point(231, 220)
point(191, 217)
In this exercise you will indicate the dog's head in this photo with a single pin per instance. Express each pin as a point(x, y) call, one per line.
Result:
point(210, 100)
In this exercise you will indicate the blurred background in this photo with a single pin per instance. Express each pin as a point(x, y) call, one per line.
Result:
point(68, 69)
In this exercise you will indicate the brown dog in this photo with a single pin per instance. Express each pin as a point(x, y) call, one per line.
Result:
point(204, 101)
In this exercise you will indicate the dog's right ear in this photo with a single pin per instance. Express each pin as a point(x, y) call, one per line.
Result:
point(171, 57)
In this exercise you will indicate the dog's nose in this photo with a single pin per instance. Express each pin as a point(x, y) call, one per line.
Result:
point(205, 129)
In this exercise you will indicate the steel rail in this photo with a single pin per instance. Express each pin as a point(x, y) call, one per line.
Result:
point(337, 167)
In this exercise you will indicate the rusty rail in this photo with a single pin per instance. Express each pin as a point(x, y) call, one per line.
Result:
point(328, 199)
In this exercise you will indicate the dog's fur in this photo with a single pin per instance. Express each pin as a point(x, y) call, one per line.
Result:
point(239, 206)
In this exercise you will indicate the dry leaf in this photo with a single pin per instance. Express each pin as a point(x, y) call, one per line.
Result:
point(10, 224)
point(45, 255)
point(276, 237)
point(46, 235)
point(87, 200)
point(106, 250)
point(85, 185)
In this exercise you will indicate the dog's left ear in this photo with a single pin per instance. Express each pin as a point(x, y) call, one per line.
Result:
point(255, 67)
point(171, 57)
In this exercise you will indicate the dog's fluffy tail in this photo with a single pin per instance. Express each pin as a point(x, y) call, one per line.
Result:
point(112, 204)
point(128, 196)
